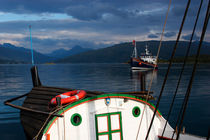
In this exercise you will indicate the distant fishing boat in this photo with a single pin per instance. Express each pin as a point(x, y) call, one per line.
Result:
point(145, 62)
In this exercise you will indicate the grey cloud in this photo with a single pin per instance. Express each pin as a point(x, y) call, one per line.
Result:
point(94, 11)
point(169, 34)
point(48, 45)
point(187, 37)
point(166, 34)
point(152, 36)
point(106, 17)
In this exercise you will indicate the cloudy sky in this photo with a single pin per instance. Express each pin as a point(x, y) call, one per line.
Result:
point(93, 23)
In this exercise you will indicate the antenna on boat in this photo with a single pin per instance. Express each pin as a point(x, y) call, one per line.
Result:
point(34, 71)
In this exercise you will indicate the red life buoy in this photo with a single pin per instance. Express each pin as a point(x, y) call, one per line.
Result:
point(69, 97)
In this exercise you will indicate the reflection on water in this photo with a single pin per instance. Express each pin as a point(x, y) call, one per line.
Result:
point(136, 76)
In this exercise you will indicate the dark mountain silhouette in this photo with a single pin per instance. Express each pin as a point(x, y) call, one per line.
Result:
point(118, 53)
point(121, 53)
point(62, 53)
point(10, 53)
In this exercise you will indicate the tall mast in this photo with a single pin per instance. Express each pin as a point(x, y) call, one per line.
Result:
point(32, 54)
point(146, 50)
point(134, 50)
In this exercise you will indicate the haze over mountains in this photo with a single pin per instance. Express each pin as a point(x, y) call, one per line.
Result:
point(118, 53)
point(62, 53)
point(12, 54)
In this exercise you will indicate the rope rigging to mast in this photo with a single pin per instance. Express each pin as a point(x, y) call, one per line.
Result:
point(182, 70)
point(169, 67)
point(194, 68)
point(153, 72)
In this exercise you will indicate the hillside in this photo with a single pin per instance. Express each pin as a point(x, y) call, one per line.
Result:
point(121, 53)
point(5, 61)
point(10, 53)
point(62, 53)
point(191, 59)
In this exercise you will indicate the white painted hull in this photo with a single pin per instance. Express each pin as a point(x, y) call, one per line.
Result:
point(100, 120)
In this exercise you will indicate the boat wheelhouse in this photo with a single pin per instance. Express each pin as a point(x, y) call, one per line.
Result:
point(146, 60)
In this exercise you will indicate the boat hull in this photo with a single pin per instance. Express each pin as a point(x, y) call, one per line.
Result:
point(138, 64)
point(104, 117)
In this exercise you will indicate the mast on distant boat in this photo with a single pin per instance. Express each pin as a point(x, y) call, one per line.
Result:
point(146, 50)
point(135, 55)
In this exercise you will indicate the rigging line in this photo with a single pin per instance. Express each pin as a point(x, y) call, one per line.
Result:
point(64, 123)
point(169, 66)
point(32, 53)
point(153, 73)
point(183, 67)
point(50, 114)
point(181, 110)
point(44, 124)
point(194, 68)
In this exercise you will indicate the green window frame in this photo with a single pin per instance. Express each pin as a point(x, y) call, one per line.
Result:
point(109, 132)
point(136, 111)
point(73, 117)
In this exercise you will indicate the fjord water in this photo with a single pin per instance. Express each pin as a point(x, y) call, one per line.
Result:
point(16, 80)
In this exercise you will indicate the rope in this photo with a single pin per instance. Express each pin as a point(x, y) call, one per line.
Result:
point(153, 73)
point(170, 63)
point(51, 113)
point(36, 137)
point(194, 68)
point(183, 67)
point(64, 124)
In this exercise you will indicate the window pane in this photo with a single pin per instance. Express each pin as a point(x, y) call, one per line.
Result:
point(115, 122)
point(102, 124)
point(116, 136)
point(103, 137)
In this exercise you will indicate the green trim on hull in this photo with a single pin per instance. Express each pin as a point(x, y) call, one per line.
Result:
point(103, 96)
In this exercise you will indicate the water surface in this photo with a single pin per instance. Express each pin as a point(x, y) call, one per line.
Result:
point(16, 80)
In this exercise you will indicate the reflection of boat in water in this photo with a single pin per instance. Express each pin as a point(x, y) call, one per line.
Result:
point(137, 76)
point(145, 61)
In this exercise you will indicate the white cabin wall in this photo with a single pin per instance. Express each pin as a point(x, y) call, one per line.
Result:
point(131, 123)
point(87, 131)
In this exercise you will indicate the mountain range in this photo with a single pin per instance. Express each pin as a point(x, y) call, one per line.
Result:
point(119, 53)
point(10, 53)
point(62, 53)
